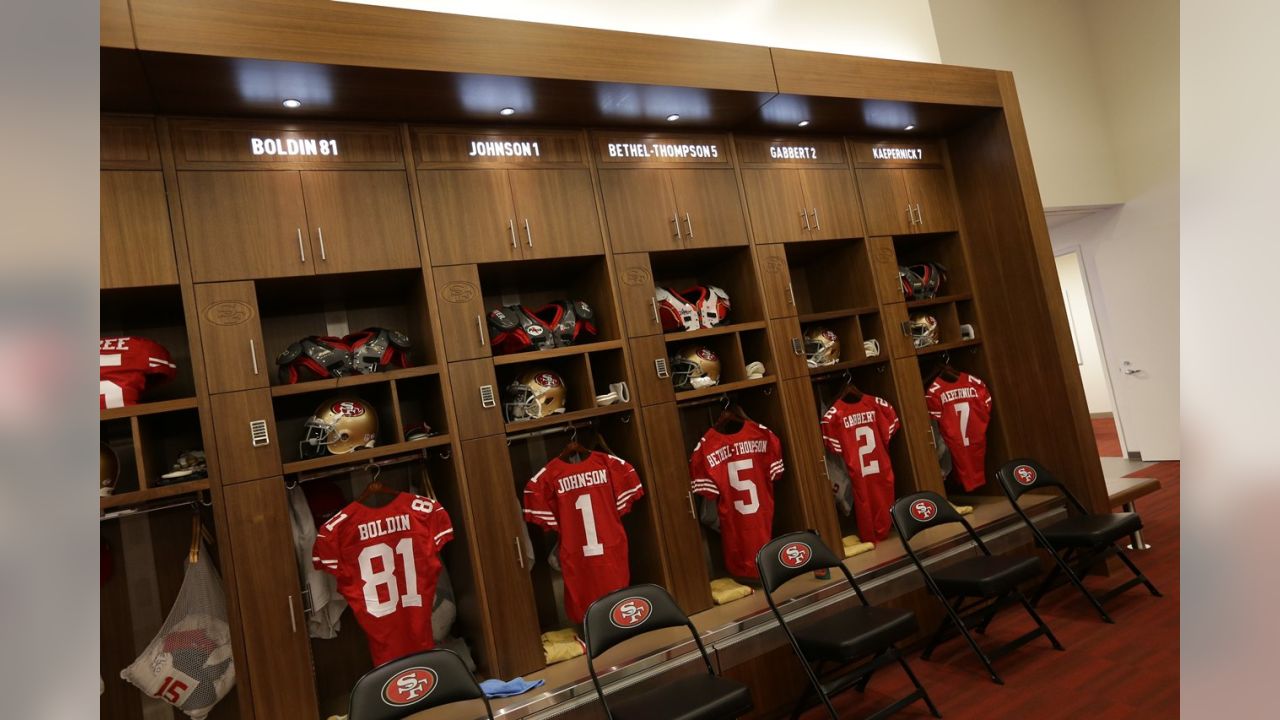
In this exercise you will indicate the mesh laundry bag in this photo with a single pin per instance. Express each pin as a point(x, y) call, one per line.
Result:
point(188, 663)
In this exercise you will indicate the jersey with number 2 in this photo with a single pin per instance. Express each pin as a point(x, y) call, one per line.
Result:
point(962, 408)
point(859, 432)
point(387, 560)
point(738, 471)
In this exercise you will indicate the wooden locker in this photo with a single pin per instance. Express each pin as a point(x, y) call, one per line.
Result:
point(894, 316)
point(463, 324)
point(635, 294)
point(832, 201)
point(469, 216)
point(930, 192)
point(788, 348)
point(916, 430)
point(231, 333)
point(640, 209)
point(239, 418)
point(555, 213)
point(360, 220)
point(708, 205)
point(885, 200)
point(136, 241)
point(884, 270)
point(271, 612)
point(650, 356)
point(245, 224)
point(468, 381)
point(811, 469)
point(775, 278)
point(777, 205)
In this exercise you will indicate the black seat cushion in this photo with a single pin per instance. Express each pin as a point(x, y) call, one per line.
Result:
point(855, 632)
point(696, 697)
point(1091, 530)
point(986, 576)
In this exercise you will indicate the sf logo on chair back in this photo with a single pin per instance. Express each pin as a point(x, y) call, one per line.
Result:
point(630, 612)
point(924, 510)
point(409, 686)
point(795, 555)
point(1025, 475)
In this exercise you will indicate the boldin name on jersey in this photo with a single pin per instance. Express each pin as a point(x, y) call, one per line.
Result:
point(384, 526)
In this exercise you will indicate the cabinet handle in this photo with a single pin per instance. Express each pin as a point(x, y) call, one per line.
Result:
point(253, 353)
point(293, 619)
point(320, 234)
point(676, 219)
point(817, 224)
point(519, 552)
point(932, 444)
point(791, 295)
point(528, 231)
point(692, 511)
point(689, 222)
point(919, 215)
point(911, 218)
point(797, 346)
point(653, 303)
point(804, 215)
point(302, 252)
point(480, 328)
point(511, 225)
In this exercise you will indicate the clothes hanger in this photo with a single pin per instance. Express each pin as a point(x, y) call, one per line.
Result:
point(193, 555)
point(600, 444)
point(573, 449)
point(849, 392)
point(731, 419)
point(375, 486)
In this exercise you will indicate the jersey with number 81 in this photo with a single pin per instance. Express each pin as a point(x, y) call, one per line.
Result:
point(387, 560)
point(962, 408)
point(738, 471)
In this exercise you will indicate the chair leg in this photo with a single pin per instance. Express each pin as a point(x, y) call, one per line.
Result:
point(938, 634)
point(1047, 583)
point(1138, 573)
point(990, 613)
point(958, 622)
point(924, 694)
point(1036, 616)
point(1075, 577)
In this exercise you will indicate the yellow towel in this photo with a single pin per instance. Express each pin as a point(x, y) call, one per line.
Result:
point(725, 590)
point(962, 509)
point(854, 546)
point(561, 645)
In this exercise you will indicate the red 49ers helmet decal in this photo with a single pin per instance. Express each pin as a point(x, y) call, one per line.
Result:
point(547, 379)
point(924, 510)
point(409, 686)
point(795, 555)
point(630, 612)
point(348, 408)
point(1025, 475)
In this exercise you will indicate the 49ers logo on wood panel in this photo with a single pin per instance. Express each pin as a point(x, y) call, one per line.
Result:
point(1025, 475)
point(924, 510)
point(630, 612)
point(409, 686)
point(795, 555)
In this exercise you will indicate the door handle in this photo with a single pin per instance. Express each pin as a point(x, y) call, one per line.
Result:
point(511, 225)
point(302, 252)
point(689, 221)
point(692, 511)
point(817, 224)
point(911, 218)
point(654, 304)
point(320, 234)
point(528, 231)
point(932, 443)
point(293, 619)
point(480, 328)
point(253, 353)
point(1127, 368)
point(919, 215)
point(676, 219)
point(804, 215)
point(519, 552)
point(791, 295)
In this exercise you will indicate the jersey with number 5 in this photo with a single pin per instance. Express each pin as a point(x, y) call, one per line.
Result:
point(962, 408)
point(738, 470)
point(387, 560)
point(585, 502)
point(129, 365)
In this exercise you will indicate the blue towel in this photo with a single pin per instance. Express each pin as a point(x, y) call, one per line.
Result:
point(507, 688)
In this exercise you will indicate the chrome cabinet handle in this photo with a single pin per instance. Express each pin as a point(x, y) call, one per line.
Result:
point(511, 225)
point(302, 252)
point(519, 552)
point(253, 353)
point(692, 511)
point(932, 443)
point(480, 328)
point(653, 303)
point(791, 295)
point(817, 224)
point(676, 219)
point(528, 231)
point(919, 215)
point(689, 222)
point(293, 620)
point(805, 217)
point(320, 234)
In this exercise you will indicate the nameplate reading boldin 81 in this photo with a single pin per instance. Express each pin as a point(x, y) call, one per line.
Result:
point(293, 147)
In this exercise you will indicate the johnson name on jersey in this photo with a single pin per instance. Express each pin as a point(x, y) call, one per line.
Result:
point(127, 366)
point(584, 502)
point(738, 471)
point(387, 560)
point(962, 408)
point(859, 432)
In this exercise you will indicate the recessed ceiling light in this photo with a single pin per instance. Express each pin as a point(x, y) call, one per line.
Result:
point(507, 112)
point(803, 123)
point(291, 103)
point(673, 117)
point(909, 127)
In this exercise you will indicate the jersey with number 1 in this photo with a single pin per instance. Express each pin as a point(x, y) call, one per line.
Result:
point(738, 471)
point(859, 432)
point(387, 560)
point(962, 408)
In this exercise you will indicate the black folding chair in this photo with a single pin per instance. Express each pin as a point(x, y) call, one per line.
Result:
point(990, 580)
point(1076, 543)
point(639, 609)
point(859, 632)
point(412, 684)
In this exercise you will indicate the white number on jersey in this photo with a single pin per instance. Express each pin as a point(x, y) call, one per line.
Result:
point(962, 409)
point(375, 579)
point(737, 482)
point(593, 546)
point(866, 445)
point(111, 392)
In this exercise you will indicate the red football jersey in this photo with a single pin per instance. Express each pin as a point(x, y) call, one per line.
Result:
point(963, 410)
point(859, 432)
point(738, 470)
point(585, 502)
point(126, 365)
point(387, 560)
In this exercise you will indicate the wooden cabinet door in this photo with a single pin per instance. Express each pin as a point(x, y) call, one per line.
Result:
point(775, 278)
point(635, 288)
point(788, 348)
point(271, 614)
point(495, 531)
point(556, 213)
point(462, 312)
point(776, 204)
point(469, 216)
point(931, 192)
point(233, 416)
point(641, 210)
point(245, 224)
point(467, 380)
point(669, 490)
point(360, 220)
point(883, 259)
point(832, 199)
point(885, 200)
point(900, 346)
point(810, 473)
point(648, 353)
point(925, 473)
point(136, 245)
point(709, 206)
point(231, 333)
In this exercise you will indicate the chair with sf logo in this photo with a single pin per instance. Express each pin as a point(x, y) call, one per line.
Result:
point(639, 609)
point(1076, 543)
point(412, 684)
point(989, 581)
point(863, 634)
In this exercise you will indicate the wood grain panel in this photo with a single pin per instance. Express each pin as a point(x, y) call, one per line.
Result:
point(883, 261)
point(925, 473)
point(240, 460)
point(786, 337)
point(832, 199)
point(465, 381)
point(650, 388)
point(460, 304)
point(931, 191)
point(556, 213)
point(775, 279)
point(894, 315)
point(115, 28)
point(710, 207)
point(362, 220)
point(884, 200)
point(128, 142)
point(231, 332)
point(810, 473)
point(470, 147)
point(810, 73)
point(776, 204)
point(640, 209)
point(228, 144)
point(635, 294)
point(469, 216)
point(794, 151)
point(136, 241)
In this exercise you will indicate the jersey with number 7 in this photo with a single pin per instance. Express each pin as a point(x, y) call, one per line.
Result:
point(962, 408)
point(387, 561)
point(738, 471)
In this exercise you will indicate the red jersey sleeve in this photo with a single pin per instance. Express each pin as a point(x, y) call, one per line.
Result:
point(830, 430)
point(327, 550)
point(539, 505)
point(983, 392)
point(774, 450)
point(932, 401)
point(700, 476)
point(888, 419)
point(626, 483)
point(441, 526)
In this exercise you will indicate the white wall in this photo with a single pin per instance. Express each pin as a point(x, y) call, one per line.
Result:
point(1093, 369)
point(896, 29)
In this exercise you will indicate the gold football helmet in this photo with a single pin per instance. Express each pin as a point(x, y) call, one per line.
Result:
point(536, 393)
point(108, 469)
point(340, 425)
point(695, 366)
point(821, 346)
point(924, 330)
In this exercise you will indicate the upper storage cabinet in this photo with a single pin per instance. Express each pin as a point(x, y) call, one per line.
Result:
point(799, 189)
point(669, 192)
point(490, 195)
point(905, 188)
point(260, 201)
point(136, 236)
